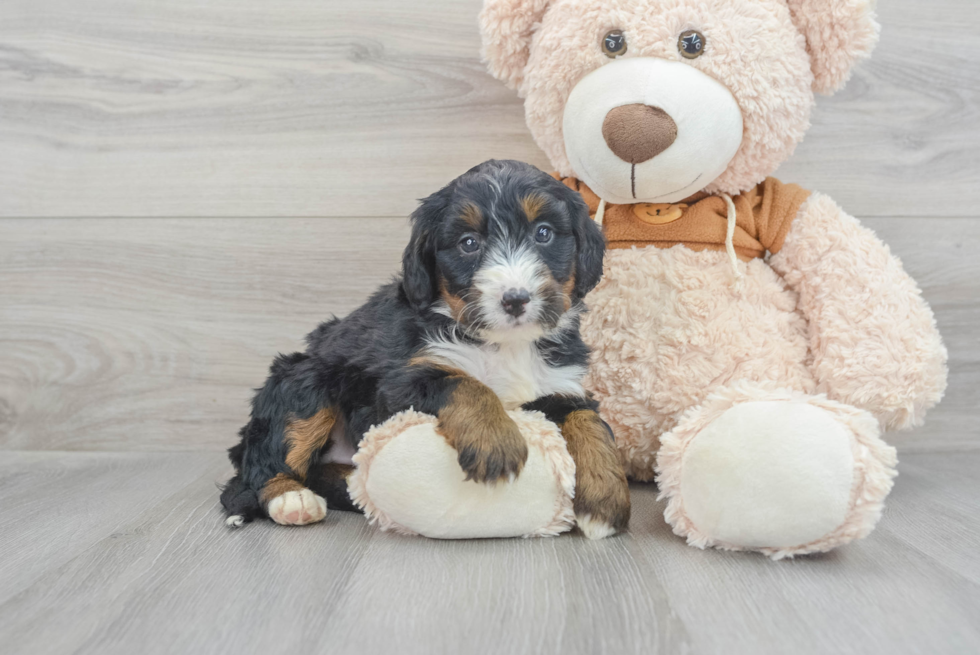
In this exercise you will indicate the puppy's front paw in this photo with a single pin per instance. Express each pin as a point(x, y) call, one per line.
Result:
point(492, 450)
point(297, 508)
point(602, 502)
point(488, 442)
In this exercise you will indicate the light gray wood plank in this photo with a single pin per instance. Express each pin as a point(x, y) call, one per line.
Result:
point(56, 506)
point(899, 139)
point(934, 509)
point(150, 335)
point(334, 108)
point(173, 579)
point(895, 592)
point(294, 108)
point(171, 575)
point(550, 596)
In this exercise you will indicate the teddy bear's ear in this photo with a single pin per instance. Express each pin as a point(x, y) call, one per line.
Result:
point(838, 34)
point(507, 27)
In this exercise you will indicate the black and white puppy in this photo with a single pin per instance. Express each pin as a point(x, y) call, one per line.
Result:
point(484, 319)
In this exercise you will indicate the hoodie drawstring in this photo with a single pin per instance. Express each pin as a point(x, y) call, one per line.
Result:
point(730, 240)
point(729, 234)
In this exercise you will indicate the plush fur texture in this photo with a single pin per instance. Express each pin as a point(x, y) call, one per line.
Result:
point(839, 33)
point(667, 328)
point(863, 310)
point(485, 314)
point(872, 338)
point(873, 469)
point(503, 511)
point(827, 317)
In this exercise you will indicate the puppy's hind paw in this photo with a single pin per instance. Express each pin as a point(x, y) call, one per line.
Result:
point(297, 508)
point(594, 528)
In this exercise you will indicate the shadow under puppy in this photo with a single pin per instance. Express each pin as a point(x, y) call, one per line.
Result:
point(485, 318)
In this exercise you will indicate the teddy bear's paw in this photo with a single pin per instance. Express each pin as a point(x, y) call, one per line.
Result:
point(408, 479)
point(769, 474)
point(791, 475)
point(297, 508)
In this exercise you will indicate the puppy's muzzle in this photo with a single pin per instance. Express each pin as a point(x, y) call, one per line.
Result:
point(515, 301)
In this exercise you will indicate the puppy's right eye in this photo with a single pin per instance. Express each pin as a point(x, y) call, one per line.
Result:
point(614, 44)
point(469, 245)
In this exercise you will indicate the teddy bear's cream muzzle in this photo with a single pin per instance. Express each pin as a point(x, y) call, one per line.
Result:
point(686, 128)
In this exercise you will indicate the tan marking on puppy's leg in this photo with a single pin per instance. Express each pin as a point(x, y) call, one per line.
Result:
point(290, 503)
point(602, 495)
point(305, 437)
point(488, 442)
point(277, 486)
point(439, 365)
point(532, 205)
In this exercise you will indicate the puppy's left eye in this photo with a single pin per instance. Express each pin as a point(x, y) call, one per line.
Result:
point(544, 234)
point(469, 245)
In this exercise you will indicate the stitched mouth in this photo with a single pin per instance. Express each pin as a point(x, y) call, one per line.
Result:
point(585, 172)
point(664, 195)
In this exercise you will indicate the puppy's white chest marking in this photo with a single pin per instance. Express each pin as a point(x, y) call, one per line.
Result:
point(515, 371)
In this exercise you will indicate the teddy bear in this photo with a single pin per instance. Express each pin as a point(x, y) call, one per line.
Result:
point(751, 341)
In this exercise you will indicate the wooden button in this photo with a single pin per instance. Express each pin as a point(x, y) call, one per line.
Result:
point(658, 214)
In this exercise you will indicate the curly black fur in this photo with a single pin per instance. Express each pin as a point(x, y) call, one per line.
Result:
point(360, 366)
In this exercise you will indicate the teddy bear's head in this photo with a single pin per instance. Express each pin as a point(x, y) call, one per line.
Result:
point(654, 100)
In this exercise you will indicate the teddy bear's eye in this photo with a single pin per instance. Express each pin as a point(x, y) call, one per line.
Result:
point(691, 44)
point(614, 44)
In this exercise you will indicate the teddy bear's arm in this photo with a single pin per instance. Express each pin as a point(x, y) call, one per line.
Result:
point(873, 338)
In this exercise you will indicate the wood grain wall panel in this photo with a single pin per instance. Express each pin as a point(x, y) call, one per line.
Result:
point(337, 108)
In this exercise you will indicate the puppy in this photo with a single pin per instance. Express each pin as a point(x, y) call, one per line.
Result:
point(485, 318)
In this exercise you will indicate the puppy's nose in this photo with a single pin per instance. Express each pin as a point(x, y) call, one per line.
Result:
point(638, 133)
point(514, 301)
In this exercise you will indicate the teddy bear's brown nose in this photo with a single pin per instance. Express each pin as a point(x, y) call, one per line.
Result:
point(638, 133)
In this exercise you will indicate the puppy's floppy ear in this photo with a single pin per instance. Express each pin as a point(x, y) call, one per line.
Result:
point(590, 244)
point(507, 27)
point(419, 258)
point(838, 34)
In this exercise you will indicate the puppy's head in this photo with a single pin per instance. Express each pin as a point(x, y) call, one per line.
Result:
point(505, 250)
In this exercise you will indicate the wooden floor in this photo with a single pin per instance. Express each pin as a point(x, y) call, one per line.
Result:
point(127, 553)
point(188, 187)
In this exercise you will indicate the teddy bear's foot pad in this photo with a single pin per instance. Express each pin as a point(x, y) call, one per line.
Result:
point(297, 508)
point(776, 471)
point(770, 474)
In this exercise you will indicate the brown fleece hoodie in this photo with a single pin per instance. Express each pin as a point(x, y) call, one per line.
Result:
point(763, 214)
